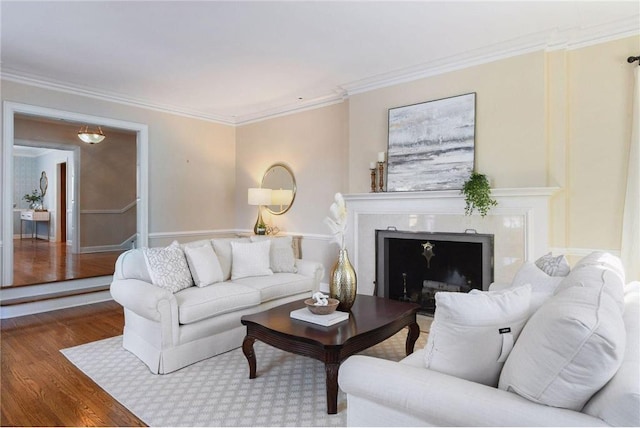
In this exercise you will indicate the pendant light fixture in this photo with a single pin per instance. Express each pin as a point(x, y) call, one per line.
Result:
point(90, 136)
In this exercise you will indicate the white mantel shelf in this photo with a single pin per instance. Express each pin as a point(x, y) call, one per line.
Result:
point(504, 192)
point(520, 223)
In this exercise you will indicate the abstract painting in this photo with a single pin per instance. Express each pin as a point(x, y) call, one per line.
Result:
point(431, 144)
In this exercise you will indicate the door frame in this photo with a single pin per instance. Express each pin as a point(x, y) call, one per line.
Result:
point(142, 172)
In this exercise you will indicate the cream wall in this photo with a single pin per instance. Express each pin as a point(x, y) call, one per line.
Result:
point(191, 162)
point(314, 145)
point(559, 118)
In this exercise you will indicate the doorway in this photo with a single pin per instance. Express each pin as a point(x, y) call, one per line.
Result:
point(61, 221)
point(10, 111)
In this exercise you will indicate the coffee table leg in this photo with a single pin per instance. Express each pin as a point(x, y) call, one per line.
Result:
point(247, 349)
point(331, 370)
point(414, 332)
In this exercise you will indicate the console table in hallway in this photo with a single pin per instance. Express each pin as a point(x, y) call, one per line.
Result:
point(35, 217)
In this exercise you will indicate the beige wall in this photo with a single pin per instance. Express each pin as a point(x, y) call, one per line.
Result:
point(191, 161)
point(559, 118)
point(314, 145)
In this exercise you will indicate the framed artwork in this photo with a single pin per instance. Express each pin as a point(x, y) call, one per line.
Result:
point(431, 144)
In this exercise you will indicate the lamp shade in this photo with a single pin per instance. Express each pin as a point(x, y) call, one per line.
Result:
point(258, 196)
point(281, 196)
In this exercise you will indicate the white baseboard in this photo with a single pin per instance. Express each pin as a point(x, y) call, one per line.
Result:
point(127, 244)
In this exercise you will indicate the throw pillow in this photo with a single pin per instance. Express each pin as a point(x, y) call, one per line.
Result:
point(250, 259)
point(222, 247)
point(281, 257)
point(168, 267)
point(598, 270)
point(568, 350)
point(204, 265)
point(542, 285)
point(473, 333)
point(554, 266)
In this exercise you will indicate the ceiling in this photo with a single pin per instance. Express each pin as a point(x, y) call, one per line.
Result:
point(236, 62)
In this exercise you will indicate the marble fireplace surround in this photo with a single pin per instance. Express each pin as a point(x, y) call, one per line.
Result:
point(520, 224)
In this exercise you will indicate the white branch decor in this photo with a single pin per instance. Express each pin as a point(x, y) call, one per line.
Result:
point(338, 220)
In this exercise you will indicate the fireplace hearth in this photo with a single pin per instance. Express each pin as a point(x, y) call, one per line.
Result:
point(414, 266)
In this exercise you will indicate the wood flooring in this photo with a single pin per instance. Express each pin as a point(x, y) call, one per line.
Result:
point(39, 386)
point(36, 261)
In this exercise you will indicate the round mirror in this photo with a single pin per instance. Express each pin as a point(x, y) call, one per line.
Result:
point(279, 178)
point(44, 183)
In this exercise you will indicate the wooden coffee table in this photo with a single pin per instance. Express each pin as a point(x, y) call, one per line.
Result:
point(372, 320)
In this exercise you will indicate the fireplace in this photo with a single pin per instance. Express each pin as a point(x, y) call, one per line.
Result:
point(414, 266)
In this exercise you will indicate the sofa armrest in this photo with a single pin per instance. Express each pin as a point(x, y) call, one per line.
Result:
point(444, 400)
point(311, 269)
point(141, 297)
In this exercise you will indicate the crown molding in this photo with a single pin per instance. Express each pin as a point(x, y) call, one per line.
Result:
point(561, 38)
point(18, 76)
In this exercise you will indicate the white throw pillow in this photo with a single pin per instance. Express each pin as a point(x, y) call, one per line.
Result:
point(281, 257)
point(204, 264)
point(568, 350)
point(250, 259)
point(222, 247)
point(618, 403)
point(554, 265)
point(542, 285)
point(597, 270)
point(168, 267)
point(473, 333)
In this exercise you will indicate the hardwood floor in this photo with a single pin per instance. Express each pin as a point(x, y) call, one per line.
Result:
point(39, 386)
point(36, 261)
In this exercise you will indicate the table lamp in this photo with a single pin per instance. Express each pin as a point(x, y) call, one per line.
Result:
point(259, 197)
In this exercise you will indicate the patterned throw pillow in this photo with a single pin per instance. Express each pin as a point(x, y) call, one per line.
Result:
point(168, 267)
point(554, 266)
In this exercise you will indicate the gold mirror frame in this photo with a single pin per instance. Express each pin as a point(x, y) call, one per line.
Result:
point(44, 183)
point(279, 177)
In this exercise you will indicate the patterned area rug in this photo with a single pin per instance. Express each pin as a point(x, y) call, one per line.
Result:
point(289, 390)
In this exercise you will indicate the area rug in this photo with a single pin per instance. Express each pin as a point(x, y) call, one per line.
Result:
point(289, 390)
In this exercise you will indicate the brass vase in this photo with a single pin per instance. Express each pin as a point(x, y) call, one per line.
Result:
point(343, 283)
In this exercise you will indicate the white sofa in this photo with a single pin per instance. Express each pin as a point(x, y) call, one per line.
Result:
point(170, 330)
point(386, 393)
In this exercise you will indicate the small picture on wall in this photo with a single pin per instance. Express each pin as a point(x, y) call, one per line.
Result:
point(431, 144)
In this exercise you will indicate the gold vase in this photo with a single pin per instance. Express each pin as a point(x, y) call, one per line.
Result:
point(343, 283)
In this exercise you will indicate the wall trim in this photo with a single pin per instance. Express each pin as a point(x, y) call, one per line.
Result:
point(124, 245)
point(111, 211)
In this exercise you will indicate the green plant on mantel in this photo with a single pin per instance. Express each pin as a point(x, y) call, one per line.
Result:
point(477, 194)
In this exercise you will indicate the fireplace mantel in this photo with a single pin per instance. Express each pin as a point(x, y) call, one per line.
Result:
point(520, 223)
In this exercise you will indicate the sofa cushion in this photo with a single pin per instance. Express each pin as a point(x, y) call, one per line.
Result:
point(281, 256)
point(472, 333)
point(277, 285)
point(195, 304)
point(222, 247)
point(568, 350)
point(618, 403)
point(553, 265)
point(203, 263)
point(168, 267)
point(250, 259)
point(542, 284)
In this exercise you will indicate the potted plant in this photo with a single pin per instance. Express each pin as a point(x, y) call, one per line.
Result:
point(34, 199)
point(477, 194)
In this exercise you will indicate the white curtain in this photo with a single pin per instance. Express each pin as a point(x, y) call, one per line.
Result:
point(630, 245)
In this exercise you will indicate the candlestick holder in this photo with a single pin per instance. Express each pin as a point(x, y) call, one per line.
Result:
point(381, 176)
point(373, 179)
